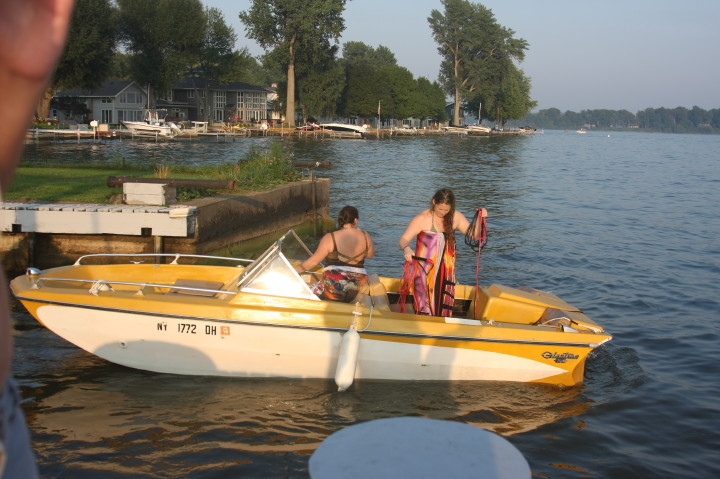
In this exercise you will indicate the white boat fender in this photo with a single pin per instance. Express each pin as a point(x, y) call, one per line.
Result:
point(348, 356)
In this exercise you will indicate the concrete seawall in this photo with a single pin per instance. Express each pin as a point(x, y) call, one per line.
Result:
point(216, 222)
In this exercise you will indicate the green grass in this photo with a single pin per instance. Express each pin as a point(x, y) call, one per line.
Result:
point(259, 170)
point(53, 184)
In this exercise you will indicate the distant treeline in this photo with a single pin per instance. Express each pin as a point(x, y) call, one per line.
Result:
point(668, 120)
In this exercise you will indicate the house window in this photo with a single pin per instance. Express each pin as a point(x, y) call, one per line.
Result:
point(105, 116)
point(254, 105)
point(129, 97)
point(220, 99)
point(106, 100)
point(190, 94)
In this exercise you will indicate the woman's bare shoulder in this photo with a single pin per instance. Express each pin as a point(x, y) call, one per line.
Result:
point(423, 215)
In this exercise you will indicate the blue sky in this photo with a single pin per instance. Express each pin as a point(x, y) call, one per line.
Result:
point(615, 54)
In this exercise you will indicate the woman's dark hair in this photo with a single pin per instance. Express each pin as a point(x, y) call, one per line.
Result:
point(347, 215)
point(445, 196)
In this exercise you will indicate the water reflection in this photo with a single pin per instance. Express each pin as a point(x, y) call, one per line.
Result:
point(101, 408)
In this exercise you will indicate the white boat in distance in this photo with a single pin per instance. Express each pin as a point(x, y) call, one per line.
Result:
point(481, 129)
point(345, 129)
point(458, 130)
point(154, 125)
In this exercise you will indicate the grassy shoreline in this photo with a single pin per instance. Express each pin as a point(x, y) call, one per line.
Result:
point(80, 183)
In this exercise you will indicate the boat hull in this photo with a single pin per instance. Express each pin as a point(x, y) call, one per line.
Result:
point(217, 347)
point(342, 129)
point(145, 129)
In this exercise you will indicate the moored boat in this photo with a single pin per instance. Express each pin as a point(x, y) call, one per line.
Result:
point(479, 129)
point(457, 130)
point(345, 129)
point(261, 319)
point(154, 125)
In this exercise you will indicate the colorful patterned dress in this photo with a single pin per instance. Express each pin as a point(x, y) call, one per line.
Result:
point(430, 276)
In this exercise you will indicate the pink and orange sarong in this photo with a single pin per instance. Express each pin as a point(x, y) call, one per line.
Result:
point(430, 276)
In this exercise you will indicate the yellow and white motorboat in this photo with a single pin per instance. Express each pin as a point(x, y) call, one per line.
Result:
point(261, 319)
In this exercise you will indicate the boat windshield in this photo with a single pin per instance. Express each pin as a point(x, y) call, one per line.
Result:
point(273, 273)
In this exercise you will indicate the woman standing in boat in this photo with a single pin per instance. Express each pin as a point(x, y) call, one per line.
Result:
point(430, 269)
point(345, 251)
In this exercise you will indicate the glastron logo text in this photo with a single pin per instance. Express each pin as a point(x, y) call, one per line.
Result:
point(559, 357)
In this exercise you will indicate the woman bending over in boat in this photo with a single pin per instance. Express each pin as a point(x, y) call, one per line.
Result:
point(345, 251)
point(430, 269)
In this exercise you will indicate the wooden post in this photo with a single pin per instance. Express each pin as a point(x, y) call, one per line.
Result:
point(158, 248)
point(314, 194)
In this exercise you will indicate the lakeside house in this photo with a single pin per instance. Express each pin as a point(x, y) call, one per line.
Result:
point(191, 99)
point(112, 102)
point(194, 99)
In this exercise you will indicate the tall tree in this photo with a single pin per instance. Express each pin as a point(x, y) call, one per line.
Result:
point(430, 100)
point(359, 52)
point(215, 55)
point(402, 88)
point(242, 66)
point(366, 73)
point(365, 86)
point(510, 99)
point(295, 28)
point(216, 50)
point(471, 43)
point(87, 59)
point(319, 91)
point(165, 38)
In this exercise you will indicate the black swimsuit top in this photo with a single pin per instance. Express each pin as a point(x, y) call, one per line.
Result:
point(357, 261)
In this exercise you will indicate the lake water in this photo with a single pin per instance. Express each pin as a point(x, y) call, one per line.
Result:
point(625, 226)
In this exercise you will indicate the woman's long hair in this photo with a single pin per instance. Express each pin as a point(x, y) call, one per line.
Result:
point(445, 197)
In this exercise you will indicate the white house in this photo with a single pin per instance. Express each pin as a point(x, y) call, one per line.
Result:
point(190, 99)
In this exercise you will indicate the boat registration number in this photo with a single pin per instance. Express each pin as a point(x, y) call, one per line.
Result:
point(190, 328)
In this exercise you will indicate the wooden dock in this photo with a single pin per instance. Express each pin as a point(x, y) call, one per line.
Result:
point(233, 134)
point(88, 219)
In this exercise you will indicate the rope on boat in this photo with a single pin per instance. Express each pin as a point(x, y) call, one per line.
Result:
point(99, 285)
point(477, 243)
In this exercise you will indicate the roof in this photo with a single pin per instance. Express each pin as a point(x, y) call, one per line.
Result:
point(107, 89)
point(192, 83)
point(113, 88)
